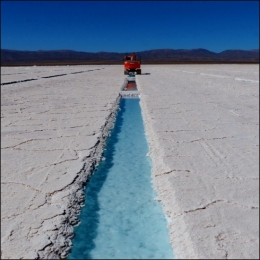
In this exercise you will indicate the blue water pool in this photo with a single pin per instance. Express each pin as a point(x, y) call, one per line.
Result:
point(121, 219)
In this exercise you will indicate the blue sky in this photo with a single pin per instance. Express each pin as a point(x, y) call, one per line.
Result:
point(126, 26)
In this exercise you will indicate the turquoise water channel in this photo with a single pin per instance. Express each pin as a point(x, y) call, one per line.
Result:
point(121, 219)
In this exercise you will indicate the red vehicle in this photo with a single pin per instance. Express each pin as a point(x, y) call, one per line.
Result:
point(132, 64)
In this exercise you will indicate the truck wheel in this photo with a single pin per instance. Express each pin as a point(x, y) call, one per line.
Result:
point(125, 72)
point(138, 72)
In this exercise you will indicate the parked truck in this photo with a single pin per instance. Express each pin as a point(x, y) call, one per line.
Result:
point(132, 64)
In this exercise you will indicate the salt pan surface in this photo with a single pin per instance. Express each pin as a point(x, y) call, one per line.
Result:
point(204, 137)
point(203, 132)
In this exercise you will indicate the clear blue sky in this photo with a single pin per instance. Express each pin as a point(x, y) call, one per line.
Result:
point(126, 26)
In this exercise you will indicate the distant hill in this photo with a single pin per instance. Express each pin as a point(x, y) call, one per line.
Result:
point(160, 56)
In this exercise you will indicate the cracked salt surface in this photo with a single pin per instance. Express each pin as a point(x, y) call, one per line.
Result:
point(203, 133)
point(121, 219)
point(52, 134)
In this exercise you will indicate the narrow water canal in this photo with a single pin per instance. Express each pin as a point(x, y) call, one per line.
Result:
point(121, 219)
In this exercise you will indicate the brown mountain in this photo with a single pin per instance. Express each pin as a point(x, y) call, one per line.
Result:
point(160, 56)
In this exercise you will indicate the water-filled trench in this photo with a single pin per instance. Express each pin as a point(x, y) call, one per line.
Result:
point(120, 218)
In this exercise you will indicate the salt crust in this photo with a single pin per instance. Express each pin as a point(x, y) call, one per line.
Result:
point(53, 133)
point(204, 142)
point(202, 127)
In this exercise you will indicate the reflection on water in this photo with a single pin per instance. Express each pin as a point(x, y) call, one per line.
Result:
point(131, 86)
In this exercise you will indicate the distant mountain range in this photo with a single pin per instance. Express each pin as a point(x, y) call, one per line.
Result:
point(160, 56)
